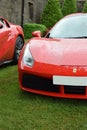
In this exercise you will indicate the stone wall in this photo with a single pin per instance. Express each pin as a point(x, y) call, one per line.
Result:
point(80, 4)
point(38, 6)
point(11, 10)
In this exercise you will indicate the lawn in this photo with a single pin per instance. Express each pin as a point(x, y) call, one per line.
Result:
point(25, 111)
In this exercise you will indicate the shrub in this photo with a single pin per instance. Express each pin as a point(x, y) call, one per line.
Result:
point(69, 7)
point(85, 7)
point(51, 13)
point(29, 28)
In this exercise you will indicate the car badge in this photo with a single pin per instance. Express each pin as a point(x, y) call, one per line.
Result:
point(74, 70)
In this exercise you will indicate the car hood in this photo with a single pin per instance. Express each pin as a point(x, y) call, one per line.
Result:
point(59, 51)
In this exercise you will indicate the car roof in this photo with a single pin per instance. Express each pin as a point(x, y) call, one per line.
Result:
point(75, 14)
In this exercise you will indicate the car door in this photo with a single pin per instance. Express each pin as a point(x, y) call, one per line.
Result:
point(5, 33)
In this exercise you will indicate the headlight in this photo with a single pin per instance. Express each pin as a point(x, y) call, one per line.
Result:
point(27, 57)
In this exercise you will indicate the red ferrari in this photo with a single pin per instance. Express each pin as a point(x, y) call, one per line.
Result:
point(11, 41)
point(56, 65)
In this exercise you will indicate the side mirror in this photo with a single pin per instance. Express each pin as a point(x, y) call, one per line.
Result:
point(36, 33)
point(1, 25)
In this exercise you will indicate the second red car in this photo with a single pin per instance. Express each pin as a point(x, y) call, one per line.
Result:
point(11, 41)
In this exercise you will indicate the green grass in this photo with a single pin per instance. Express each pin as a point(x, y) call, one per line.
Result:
point(25, 111)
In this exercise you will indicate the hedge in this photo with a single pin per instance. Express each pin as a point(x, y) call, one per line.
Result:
point(30, 27)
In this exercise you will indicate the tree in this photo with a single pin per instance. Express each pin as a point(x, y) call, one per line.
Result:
point(51, 14)
point(69, 7)
point(85, 7)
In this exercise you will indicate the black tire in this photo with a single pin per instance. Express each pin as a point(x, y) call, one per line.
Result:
point(18, 48)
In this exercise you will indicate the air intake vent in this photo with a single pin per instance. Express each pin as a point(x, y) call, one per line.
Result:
point(75, 89)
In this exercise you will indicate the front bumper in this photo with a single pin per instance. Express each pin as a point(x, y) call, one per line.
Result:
point(39, 80)
point(45, 86)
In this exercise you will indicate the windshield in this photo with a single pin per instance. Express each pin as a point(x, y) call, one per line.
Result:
point(70, 27)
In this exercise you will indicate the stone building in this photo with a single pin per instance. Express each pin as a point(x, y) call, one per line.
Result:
point(13, 10)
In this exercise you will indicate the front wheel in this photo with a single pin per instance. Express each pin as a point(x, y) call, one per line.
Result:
point(18, 48)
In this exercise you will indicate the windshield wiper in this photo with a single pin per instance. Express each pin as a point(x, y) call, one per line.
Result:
point(83, 37)
point(80, 37)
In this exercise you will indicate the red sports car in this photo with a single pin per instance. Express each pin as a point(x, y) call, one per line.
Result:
point(11, 41)
point(56, 65)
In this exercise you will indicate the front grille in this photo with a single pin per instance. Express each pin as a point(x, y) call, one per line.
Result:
point(39, 83)
point(75, 89)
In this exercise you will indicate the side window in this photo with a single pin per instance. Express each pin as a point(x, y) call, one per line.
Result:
point(4, 23)
point(1, 24)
